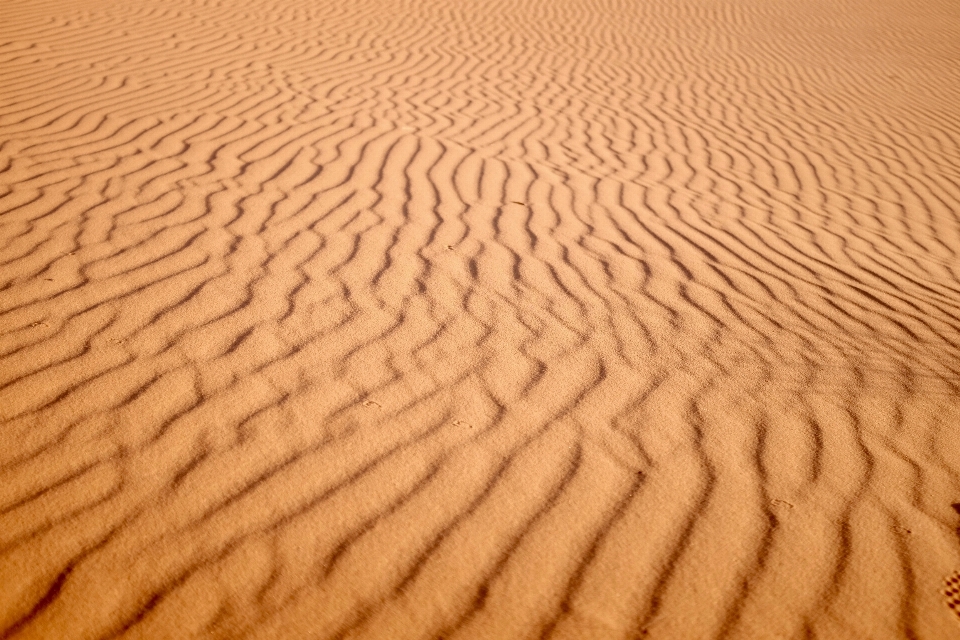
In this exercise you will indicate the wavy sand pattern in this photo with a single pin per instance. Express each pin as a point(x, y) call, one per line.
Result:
point(486, 319)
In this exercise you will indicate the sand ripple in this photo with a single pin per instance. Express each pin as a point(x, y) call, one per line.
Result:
point(395, 319)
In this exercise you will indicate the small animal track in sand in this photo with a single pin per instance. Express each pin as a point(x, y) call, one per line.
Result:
point(951, 592)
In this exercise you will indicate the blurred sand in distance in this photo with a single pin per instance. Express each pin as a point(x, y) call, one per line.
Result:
point(479, 319)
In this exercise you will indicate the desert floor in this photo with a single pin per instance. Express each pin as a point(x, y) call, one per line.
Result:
point(479, 319)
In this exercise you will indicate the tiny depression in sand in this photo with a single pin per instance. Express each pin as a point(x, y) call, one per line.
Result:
point(479, 319)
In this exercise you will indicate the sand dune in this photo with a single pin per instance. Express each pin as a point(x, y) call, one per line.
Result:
point(534, 319)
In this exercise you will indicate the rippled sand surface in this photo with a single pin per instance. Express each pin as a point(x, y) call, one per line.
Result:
point(479, 319)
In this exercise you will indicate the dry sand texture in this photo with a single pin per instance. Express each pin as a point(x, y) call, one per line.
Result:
point(479, 318)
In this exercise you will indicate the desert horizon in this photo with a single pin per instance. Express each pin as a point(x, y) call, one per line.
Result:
point(563, 319)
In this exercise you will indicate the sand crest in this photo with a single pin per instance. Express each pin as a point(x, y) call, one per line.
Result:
point(479, 319)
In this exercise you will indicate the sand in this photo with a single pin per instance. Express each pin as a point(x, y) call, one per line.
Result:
point(479, 319)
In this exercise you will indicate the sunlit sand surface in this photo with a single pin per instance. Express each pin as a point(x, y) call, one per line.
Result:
point(479, 319)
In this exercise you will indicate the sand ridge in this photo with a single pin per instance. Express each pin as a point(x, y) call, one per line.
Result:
point(493, 319)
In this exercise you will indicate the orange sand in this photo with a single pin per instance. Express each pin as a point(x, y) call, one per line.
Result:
point(479, 318)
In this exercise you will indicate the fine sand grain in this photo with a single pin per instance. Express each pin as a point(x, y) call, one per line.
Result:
point(479, 319)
